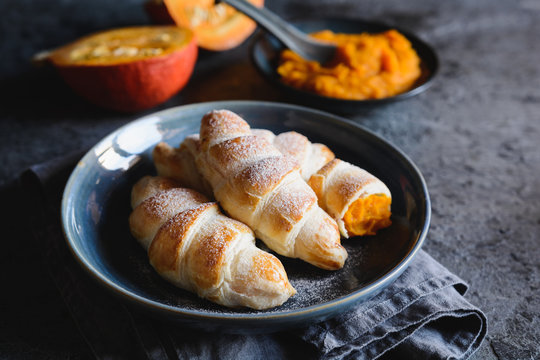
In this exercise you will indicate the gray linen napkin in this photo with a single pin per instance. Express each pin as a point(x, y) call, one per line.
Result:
point(422, 312)
point(422, 315)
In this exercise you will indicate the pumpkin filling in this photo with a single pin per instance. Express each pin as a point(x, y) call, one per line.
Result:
point(366, 66)
point(367, 215)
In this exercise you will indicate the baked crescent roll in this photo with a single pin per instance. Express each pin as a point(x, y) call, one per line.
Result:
point(310, 156)
point(364, 220)
point(266, 134)
point(357, 200)
point(179, 164)
point(256, 184)
point(195, 247)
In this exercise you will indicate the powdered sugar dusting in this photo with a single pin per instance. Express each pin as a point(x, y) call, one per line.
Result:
point(221, 123)
point(264, 175)
point(149, 186)
point(314, 286)
point(169, 202)
point(222, 234)
point(293, 144)
point(265, 134)
point(293, 201)
point(350, 179)
point(178, 226)
point(234, 154)
point(208, 252)
point(350, 185)
point(368, 258)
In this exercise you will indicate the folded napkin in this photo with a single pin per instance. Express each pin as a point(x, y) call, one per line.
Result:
point(423, 314)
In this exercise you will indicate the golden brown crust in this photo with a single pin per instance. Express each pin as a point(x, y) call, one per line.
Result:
point(310, 157)
point(150, 214)
point(266, 134)
point(288, 208)
point(149, 186)
point(266, 266)
point(258, 185)
point(338, 184)
point(165, 248)
point(231, 154)
point(323, 154)
point(249, 186)
point(316, 182)
point(217, 124)
point(206, 258)
point(262, 177)
point(328, 168)
point(192, 245)
point(324, 254)
point(265, 279)
point(293, 144)
point(179, 164)
point(168, 161)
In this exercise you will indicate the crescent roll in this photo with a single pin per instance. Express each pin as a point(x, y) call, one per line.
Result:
point(179, 164)
point(256, 184)
point(310, 156)
point(194, 246)
point(357, 200)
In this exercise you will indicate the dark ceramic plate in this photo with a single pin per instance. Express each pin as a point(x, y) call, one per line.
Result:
point(265, 52)
point(95, 210)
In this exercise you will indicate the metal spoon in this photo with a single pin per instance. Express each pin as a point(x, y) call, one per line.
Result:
point(293, 38)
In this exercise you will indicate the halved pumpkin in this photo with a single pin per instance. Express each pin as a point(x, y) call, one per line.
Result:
point(217, 26)
point(128, 69)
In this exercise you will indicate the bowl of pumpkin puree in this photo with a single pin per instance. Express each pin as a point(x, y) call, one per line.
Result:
point(374, 64)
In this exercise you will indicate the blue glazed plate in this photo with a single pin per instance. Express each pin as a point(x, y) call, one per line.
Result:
point(265, 52)
point(95, 210)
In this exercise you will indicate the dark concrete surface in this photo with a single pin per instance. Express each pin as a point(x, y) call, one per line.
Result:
point(474, 135)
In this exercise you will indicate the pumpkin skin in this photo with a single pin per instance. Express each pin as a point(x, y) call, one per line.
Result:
point(129, 83)
point(217, 27)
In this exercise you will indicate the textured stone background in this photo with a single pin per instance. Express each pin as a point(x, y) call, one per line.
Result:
point(474, 135)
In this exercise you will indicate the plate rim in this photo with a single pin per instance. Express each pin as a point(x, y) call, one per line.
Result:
point(311, 311)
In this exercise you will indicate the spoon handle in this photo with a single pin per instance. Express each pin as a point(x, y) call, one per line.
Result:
point(293, 38)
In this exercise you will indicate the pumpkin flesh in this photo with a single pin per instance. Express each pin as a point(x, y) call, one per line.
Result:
point(218, 27)
point(128, 69)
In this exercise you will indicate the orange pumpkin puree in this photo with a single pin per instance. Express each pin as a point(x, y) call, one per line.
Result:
point(366, 66)
point(367, 215)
